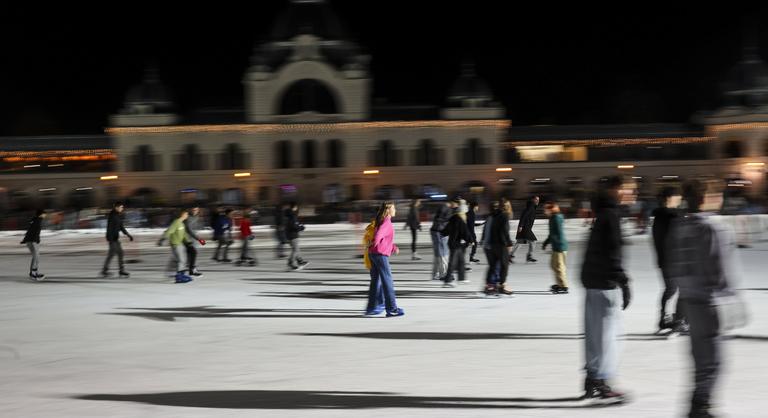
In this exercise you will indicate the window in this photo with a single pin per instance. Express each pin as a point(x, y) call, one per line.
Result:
point(144, 159)
point(283, 154)
point(190, 159)
point(472, 153)
point(335, 152)
point(733, 149)
point(427, 154)
point(233, 158)
point(308, 153)
point(308, 95)
point(385, 155)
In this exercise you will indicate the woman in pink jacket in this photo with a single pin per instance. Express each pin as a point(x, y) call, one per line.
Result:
point(382, 289)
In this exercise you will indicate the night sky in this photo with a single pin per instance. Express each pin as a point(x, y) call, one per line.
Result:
point(66, 68)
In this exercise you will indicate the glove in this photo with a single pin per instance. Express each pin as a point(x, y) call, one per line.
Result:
point(626, 296)
point(130, 237)
point(201, 241)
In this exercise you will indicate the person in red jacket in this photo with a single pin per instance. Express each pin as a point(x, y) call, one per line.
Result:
point(246, 235)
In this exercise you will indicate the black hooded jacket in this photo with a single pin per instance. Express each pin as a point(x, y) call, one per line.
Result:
point(602, 267)
point(527, 219)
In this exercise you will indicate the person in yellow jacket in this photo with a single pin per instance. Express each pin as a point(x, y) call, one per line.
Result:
point(176, 234)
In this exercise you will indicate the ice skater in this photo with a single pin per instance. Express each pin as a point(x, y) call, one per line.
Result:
point(525, 233)
point(559, 247)
point(114, 228)
point(32, 240)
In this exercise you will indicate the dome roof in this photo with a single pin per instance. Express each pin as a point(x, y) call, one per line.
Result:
point(303, 17)
point(151, 91)
point(469, 86)
point(747, 83)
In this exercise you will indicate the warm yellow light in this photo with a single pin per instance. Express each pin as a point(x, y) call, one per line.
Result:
point(108, 178)
point(757, 164)
point(371, 172)
point(504, 169)
point(242, 174)
point(625, 166)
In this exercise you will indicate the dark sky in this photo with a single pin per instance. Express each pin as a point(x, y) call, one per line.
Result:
point(66, 68)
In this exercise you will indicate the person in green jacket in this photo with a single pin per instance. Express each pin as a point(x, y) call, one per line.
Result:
point(176, 234)
point(559, 246)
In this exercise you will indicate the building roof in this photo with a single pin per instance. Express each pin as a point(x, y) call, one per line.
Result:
point(55, 143)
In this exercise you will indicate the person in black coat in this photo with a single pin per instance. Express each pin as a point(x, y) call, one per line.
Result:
point(292, 229)
point(114, 227)
point(458, 239)
point(280, 230)
point(607, 290)
point(497, 242)
point(414, 224)
point(663, 216)
point(471, 224)
point(32, 239)
point(525, 233)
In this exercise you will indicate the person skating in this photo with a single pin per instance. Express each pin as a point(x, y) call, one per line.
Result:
point(663, 216)
point(491, 281)
point(525, 233)
point(381, 248)
point(499, 243)
point(702, 261)
point(439, 242)
point(192, 225)
point(176, 234)
point(559, 246)
point(458, 238)
point(32, 240)
point(222, 233)
point(414, 224)
point(246, 235)
point(471, 224)
point(114, 227)
point(292, 229)
point(607, 291)
point(280, 230)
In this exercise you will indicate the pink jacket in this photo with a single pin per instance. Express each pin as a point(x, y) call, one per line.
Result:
point(384, 239)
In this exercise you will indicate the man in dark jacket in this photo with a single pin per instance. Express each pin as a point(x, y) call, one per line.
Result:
point(280, 230)
point(440, 243)
point(192, 225)
point(414, 224)
point(663, 216)
point(525, 229)
point(458, 236)
point(471, 224)
point(292, 229)
point(32, 239)
point(607, 290)
point(497, 243)
point(114, 227)
point(222, 232)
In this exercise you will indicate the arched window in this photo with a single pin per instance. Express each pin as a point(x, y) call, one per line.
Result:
point(385, 154)
point(190, 158)
point(335, 152)
point(233, 158)
point(308, 95)
point(283, 157)
point(308, 148)
point(473, 153)
point(144, 159)
point(427, 154)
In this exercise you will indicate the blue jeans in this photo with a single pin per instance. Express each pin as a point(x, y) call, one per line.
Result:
point(382, 289)
point(602, 327)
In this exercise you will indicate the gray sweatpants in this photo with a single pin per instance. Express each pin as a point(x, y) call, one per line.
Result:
point(519, 243)
point(178, 258)
point(115, 248)
point(295, 258)
point(602, 327)
point(34, 248)
point(440, 251)
point(705, 347)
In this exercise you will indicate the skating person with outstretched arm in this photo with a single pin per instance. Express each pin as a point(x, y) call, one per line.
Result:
point(292, 229)
point(525, 233)
point(114, 228)
point(176, 234)
point(559, 246)
point(32, 240)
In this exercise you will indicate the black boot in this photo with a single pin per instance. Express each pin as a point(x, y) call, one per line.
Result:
point(700, 410)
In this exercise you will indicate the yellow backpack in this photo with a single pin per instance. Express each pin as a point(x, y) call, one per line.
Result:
point(370, 231)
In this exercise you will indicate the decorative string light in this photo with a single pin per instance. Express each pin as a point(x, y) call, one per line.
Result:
point(611, 142)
